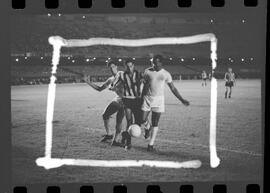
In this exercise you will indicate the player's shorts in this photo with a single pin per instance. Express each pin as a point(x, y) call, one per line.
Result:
point(204, 79)
point(134, 104)
point(229, 83)
point(113, 107)
point(153, 103)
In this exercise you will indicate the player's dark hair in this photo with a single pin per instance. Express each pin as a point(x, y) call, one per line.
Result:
point(159, 57)
point(109, 63)
point(129, 60)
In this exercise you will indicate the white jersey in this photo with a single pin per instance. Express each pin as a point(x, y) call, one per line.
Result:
point(156, 81)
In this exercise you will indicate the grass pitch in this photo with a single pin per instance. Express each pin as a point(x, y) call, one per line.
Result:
point(183, 135)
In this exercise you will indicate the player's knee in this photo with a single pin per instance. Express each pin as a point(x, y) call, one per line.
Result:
point(154, 124)
point(145, 125)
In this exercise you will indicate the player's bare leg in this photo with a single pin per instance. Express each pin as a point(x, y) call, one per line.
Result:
point(226, 92)
point(109, 111)
point(145, 124)
point(126, 138)
point(155, 121)
point(107, 126)
point(129, 117)
point(119, 118)
point(230, 92)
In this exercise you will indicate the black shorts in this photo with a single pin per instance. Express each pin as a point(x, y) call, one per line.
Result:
point(113, 107)
point(204, 79)
point(135, 106)
point(229, 83)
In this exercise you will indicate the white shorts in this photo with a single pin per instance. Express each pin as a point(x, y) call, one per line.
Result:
point(153, 103)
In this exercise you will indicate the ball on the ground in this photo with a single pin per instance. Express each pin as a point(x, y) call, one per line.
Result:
point(135, 130)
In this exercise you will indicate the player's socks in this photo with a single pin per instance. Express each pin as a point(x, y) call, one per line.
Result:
point(147, 129)
point(225, 95)
point(146, 133)
point(150, 148)
point(116, 144)
point(124, 138)
point(128, 145)
point(106, 138)
point(154, 135)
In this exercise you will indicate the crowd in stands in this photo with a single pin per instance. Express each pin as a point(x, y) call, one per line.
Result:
point(31, 71)
point(31, 52)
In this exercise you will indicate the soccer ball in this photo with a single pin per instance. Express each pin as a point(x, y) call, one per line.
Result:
point(135, 130)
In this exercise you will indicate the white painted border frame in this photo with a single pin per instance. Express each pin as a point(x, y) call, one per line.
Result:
point(57, 42)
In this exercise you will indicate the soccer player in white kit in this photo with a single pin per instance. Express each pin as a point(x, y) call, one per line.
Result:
point(155, 78)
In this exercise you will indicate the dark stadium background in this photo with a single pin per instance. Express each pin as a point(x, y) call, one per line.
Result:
point(184, 133)
point(238, 45)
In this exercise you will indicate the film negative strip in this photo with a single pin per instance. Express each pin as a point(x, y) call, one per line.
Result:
point(151, 96)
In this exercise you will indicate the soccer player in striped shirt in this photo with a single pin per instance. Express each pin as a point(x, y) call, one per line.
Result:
point(229, 82)
point(132, 82)
point(115, 106)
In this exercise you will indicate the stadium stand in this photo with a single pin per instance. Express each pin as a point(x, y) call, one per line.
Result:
point(31, 53)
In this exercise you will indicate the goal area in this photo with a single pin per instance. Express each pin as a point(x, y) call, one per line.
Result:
point(58, 42)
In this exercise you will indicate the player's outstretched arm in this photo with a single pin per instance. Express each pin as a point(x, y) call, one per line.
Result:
point(93, 85)
point(177, 94)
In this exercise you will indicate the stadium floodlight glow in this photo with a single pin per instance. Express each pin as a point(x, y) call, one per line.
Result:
point(182, 59)
point(25, 57)
point(17, 59)
point(251, 58)
point(59, 14)
point(193, 59)
point(57, 42)
point(120, 60)
point(170, 58)
point(49, 15)
point(242, 59)
point(87, 60)
point(243, 21)
point(41, 57)
point(83, 17)
point(134, 58)
point(73, 61)
point(211, 20)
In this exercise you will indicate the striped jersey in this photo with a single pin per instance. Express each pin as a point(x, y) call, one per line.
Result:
point(229, 77)
point(131, 83)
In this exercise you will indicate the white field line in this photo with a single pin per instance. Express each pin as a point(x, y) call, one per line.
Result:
point(195, 145)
